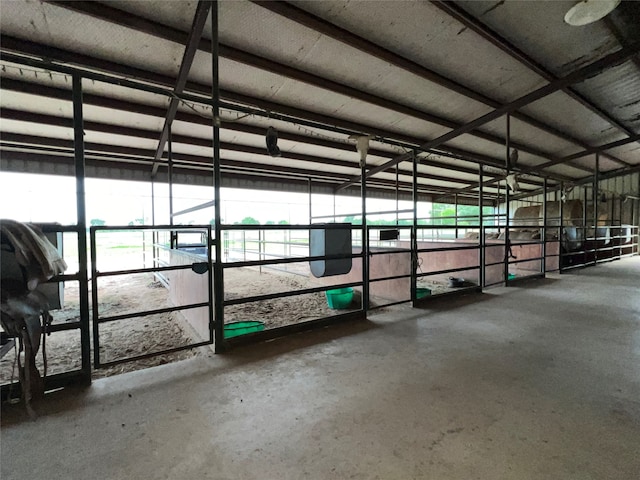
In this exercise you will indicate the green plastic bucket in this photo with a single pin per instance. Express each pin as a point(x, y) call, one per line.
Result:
point(339, 298)
point(235, 329)
point(422, 292)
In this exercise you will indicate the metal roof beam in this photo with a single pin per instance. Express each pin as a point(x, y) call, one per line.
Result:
point(585, 180)
point(52, 54)
point(592, 150)
point(276, 110)
point(119, 17)
point(320, 25)
point(190, 49)
point(132, 107)
point(576, 76)
point(200, 165)
point(503, 44)
point(43, 119)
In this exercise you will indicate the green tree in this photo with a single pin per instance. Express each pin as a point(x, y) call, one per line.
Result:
point(283, 222)
point(249, 221)
point(97, 222)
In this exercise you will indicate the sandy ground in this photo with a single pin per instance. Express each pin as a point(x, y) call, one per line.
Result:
point(135, 336)
point(139, 335)
point(245, 282)
point(118, 339)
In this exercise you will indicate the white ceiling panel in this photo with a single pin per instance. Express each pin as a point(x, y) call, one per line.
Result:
point(566, 114)
point(35, 129)
point(416, 30)
point(62, 28)
point(421, 32)
point(539, 29)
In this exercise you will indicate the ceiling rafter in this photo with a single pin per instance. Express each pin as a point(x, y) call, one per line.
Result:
point(187, 165)
point(119, 17)
point(52, 54)
point(320, 25)
point(190, 49)
point(133, 107)
point(576, 76)
point(503, 44)
point(595, 149)
point(44, 119)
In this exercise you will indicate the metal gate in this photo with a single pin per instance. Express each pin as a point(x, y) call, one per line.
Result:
point(162, 258)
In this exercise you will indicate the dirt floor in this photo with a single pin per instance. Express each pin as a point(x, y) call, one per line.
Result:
point(135, 336)
point(118, 339)
point(246, 282)
point(139, 335)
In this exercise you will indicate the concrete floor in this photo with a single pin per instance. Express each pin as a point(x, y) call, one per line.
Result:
point(541, 382)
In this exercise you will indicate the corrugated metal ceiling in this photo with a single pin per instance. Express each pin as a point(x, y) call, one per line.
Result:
point(293, 67)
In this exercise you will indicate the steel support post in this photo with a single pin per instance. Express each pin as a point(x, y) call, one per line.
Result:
point(414, 230)
point(455, 199)
point(78, 140)
point(218, 278)
point(561, 226)
point(170, 176)
point(398, 192)
point(481, 235)
point(584, 222)
point(636, 204)
point(365, 237)
point(507, 241)
point(154, 234)
point(596, 181)
point(310, 208)
point(543, 264)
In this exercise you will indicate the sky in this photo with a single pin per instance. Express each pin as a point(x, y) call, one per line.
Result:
point(52, 198)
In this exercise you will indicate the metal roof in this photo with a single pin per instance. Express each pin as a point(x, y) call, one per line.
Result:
point(409, 73)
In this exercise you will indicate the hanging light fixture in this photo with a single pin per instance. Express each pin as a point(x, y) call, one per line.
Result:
point(272, 142)
point(512, 182)
point(589, 11)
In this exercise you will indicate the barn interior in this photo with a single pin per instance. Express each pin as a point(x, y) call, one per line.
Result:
point(497, 339)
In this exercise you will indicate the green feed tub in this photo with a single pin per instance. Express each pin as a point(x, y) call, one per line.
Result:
point(235, 329)
point(423, 292)
point(340, 298)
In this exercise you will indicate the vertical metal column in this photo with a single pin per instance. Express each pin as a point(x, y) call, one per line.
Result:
point(636, 205)
point(584, 229)
point(83, 280)
point(561, 226)
point(365, 237)
point(218, 278)
point(481, 235)
point(414, 229)
point(310, 210)
point(507, 213)
point(596, 181)
point(455, 199)
point(334, 206)
point(170, 175)
point(397, 192)
point(154, 234)
point(544, 228)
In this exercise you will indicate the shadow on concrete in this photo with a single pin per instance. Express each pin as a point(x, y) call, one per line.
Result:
point(289, 343)
point(451, 301)
point(533, 282)
point(124, 387)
